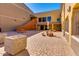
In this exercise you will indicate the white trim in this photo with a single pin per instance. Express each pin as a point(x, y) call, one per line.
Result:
point(75, 38)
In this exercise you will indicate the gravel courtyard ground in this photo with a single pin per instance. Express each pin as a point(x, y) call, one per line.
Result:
point(38, 45)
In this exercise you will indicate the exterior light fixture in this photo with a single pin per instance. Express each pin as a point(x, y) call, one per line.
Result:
point(69, 9)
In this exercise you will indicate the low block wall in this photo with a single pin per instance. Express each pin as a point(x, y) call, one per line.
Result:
point(75, 46)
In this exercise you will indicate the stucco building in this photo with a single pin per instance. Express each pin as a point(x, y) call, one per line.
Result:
point(43, 21)
point(13, 15)
point(49, 20)
point(70, 24)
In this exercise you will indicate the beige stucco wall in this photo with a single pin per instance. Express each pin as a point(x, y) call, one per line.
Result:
point(13, 15)
point(65, 13)
point(68, 14)
point(54, 15)
point(67, 7)
point(72, 17)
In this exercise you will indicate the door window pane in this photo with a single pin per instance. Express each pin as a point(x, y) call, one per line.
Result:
point(58, 20)
point(39, 19)
point(49, 18)
point(44, 19)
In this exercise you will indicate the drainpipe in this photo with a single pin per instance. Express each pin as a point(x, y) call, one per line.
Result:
point(63, 21)
point(70, 26)
point(37, 24)
point(47, 24)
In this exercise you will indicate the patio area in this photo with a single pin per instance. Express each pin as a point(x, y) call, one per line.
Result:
point(38, 45)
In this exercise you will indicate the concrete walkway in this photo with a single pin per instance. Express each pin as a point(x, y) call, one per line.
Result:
point(48, 46)
point(38, 45)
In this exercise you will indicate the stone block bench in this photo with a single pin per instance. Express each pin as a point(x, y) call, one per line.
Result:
point(15, 44)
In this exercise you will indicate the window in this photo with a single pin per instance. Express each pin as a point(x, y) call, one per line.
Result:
point(44, 19)
point(49, 18)
point(0, 29)
point(58, 20)
point(39, 19)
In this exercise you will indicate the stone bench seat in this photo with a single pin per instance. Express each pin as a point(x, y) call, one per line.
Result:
point(15, 44)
